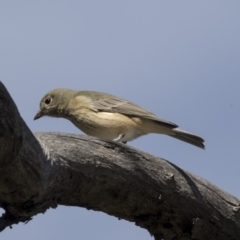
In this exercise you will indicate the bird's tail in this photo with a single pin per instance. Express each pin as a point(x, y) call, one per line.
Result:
point(172, 131)
point(187, 137)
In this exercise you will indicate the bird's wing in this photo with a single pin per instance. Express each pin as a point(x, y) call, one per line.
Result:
point(109, 103)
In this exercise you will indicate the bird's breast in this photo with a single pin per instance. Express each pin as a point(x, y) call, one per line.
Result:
point(107, 125)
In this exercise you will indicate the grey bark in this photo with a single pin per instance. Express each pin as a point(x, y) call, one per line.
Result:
point(44, 170)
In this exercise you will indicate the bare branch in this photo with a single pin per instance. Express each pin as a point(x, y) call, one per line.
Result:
point(48, 169)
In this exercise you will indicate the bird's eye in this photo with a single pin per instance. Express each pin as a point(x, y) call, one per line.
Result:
point(48, 100)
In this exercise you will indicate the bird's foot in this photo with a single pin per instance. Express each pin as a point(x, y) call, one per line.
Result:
point(119, 138)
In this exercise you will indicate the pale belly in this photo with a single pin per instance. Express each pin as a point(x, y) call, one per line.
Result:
point(109, 126)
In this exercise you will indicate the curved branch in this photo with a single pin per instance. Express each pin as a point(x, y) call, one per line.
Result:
point(48, 169)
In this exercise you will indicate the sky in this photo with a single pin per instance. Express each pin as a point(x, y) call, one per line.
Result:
point(178, 59)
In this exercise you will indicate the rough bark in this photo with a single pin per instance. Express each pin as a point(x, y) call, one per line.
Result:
point(44, 170)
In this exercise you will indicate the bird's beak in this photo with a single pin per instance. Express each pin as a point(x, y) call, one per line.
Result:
point(38, 115)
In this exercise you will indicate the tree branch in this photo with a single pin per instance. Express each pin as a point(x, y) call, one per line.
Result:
point(48, 169)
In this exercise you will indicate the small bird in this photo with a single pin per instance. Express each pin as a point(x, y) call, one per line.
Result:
point(108, 117)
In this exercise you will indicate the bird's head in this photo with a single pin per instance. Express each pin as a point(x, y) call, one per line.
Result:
point(54, 103)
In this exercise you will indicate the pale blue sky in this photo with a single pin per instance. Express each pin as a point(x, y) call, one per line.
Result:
point(179, 59)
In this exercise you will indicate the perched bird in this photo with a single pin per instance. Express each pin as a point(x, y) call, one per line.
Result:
point(108, 117)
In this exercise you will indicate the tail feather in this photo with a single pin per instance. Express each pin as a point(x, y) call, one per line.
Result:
point(188, 137)
point(175, 132)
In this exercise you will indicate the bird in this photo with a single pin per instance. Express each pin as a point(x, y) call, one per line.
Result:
point(109, 117)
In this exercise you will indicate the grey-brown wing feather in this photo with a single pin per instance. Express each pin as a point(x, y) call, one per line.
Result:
point(110, 103)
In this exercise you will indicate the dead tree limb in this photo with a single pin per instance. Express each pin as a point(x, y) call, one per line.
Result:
point(42, 171)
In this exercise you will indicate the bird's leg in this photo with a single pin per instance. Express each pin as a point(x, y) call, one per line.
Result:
point(118, 139)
